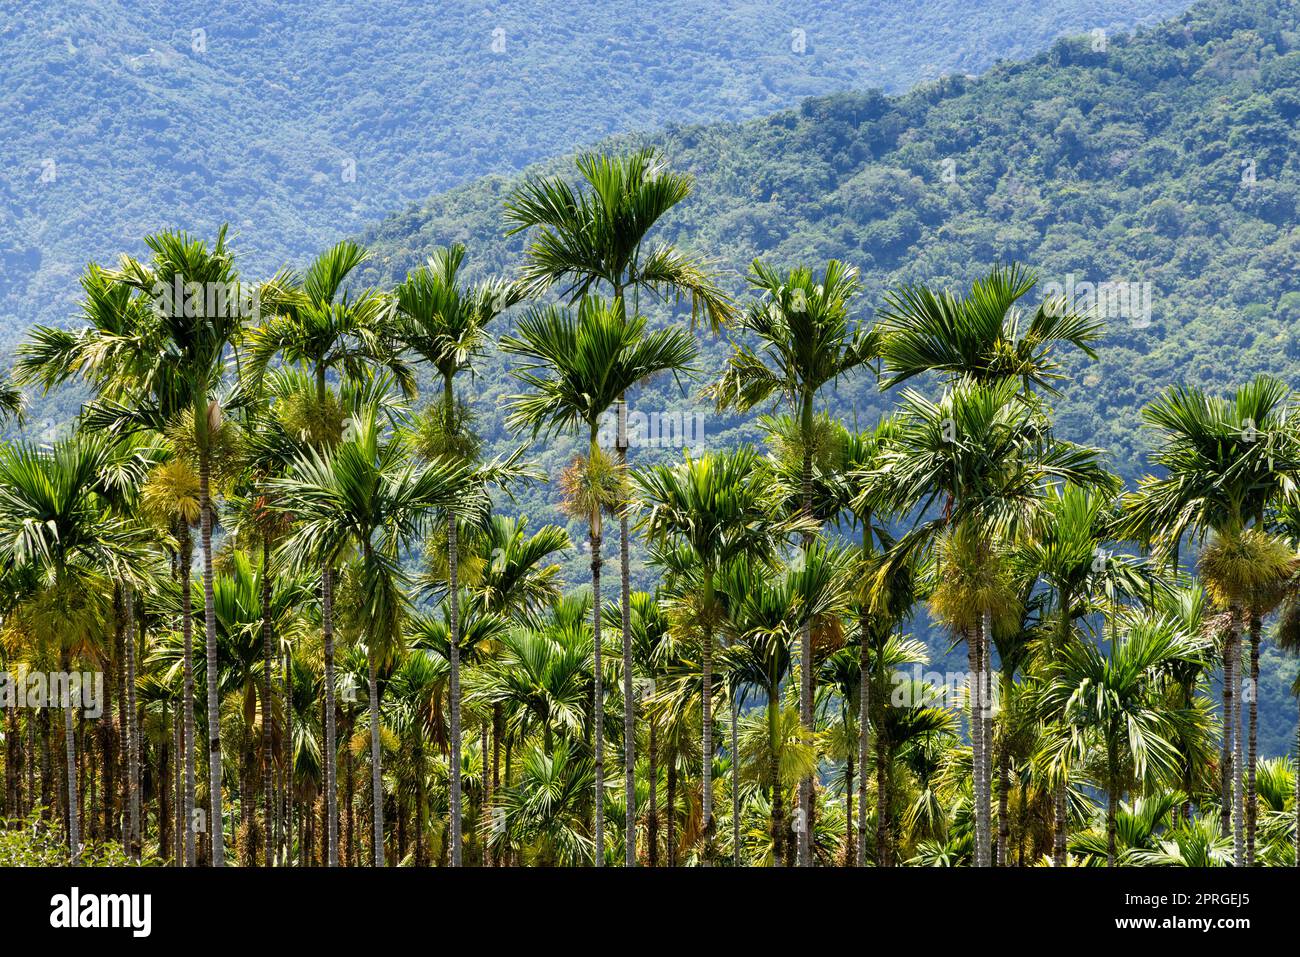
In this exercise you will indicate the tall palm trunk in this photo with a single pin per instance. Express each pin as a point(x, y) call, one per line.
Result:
point(376, 782)
point(453, 654)
point(1225, 760)
point(706, 747)
point(670, 808)
point(454, 657)
point(216, 831)
point(188, 825)
point(1060, 831)
point(1252, 811)
point(975, 681)
point(598, 689)
point(267, 710)
point(132, 732)
point(629, 702)
point(652, 821)
point(1112, 770)
point(70, 748)
point(864, 734)
point(986, 716)
point(805, 653)
point(774, 774)
point(735, 780)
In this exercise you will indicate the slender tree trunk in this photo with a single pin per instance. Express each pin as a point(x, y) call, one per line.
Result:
point(707, 747)
point(850, 838)
point(1238, 797)
point(864, 732)
point(1225, 761)
point(268, 787)
point(290, 755)
point(804, 851)
point(652, 822)
point(1297, 786)
point(884, 799)
point(735, 781)
point(779, 836)
point(70, 748)
point(1004, 791)
point(598, 696)
point(216, 829)
point(1110, 828)
point(629, 701)
point(671, 810)
point(376, 783)
point(330, 757)
point(485, 807)
point(1252, 810)
point(454, 657)
point(977, 738)
point(132, 731)
point(986, 716)
point(191, 745)
point(1060, 833)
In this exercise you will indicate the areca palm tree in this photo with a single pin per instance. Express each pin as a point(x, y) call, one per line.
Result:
point(318, 323)
point(1070, 554)
point(983, 455)
point(1112, 695)
point(53, 520)
point(803, 340)
point(368, 494)
point(594, 236)
point(446, 325)
point(576, 366)
point(1226, 461)
point(701, 515)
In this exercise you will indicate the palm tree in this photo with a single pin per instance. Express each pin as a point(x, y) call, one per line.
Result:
point(701, 515)
point(985, 454)
point(597, 235)
point(1113, 696)
point(53, 520)
point(1070, 554)
point(576, 367)
point(316, 323)
point(368, 493)
point(1226, 461)
point(446, 325)
point(804, 340)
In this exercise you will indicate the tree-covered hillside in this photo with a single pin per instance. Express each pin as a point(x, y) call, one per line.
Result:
point(1165, 158)
point(298, 120)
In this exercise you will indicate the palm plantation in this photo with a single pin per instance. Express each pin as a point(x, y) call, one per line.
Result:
point(396, 664)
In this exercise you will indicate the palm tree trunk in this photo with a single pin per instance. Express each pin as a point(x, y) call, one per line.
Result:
point(268, 787)
point(70, 747)
point(189, 824)
point(864, 733)
point(706, 747)
point(1251, 810)
point(1238, 798)
point(330, 757)
point(1110, 827)
point(598, 699)
point(774, 774)
point(1004, 789)
point(671, 809)
point(132, 731)
point(850, 838)
point(454, 657)
point(216, 830)
point(289, 774)
point(1225, 760)
point(804, 853)
point(376, 782)
point(735, 781)
point(977, 737)
point(629, 702)
point(986, 716)
point(652, 822)
point(1297, 786)
point(1060, 832)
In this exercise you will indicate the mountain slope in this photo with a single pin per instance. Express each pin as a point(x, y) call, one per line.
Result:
point(1168, 159)
point(300, 120)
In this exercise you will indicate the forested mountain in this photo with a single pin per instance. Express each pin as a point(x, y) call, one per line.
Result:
point(299, 120)
point(1165, 161)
